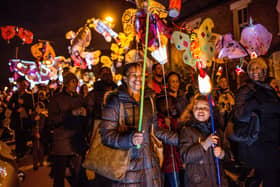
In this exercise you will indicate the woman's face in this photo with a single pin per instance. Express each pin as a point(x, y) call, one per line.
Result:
point(173, 83)
point(133, 79)
point(201, 111)
point(71, 86)
point(256, 72)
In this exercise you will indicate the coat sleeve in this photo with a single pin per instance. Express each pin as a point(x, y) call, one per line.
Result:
point(165, 135)
point(56, 115)
point(245, 103)
point(190, 151)
point(109, 127)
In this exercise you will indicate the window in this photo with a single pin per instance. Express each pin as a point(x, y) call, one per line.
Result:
point(240, 16)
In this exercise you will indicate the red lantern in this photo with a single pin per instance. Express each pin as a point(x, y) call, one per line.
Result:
point(8, 32)
point(25, 35)
point(174, 8)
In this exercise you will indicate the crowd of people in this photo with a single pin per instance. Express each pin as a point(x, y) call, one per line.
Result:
point(60, 123)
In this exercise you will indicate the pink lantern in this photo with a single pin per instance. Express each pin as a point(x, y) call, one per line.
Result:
point(256, 38)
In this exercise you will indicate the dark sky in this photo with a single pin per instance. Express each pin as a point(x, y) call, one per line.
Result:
point(50, 20)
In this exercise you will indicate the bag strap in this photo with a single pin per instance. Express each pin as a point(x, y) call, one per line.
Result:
point(153, 105)
point(96, 123)
point(121, 116)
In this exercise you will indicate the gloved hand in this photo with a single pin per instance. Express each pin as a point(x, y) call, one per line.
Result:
point(209, 141)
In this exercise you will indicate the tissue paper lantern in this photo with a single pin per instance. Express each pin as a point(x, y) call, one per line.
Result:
point(256, 38)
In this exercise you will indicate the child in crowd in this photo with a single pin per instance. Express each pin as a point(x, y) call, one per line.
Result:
point(199, 147)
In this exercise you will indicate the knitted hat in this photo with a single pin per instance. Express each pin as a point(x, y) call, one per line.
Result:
point(68, 77)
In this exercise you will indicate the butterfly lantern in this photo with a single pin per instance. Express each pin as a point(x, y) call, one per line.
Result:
point(182, 42)
point(207, 48)
point(197, 46)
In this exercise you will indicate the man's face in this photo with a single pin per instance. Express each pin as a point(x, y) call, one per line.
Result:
point(106, 75)
point(173, 83)
point(201, 111)
point(158, 71)
point(133, 79)
point(256, 72)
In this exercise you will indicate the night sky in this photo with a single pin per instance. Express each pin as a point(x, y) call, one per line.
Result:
point(50, 20)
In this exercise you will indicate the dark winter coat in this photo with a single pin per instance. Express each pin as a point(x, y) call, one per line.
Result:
point(258, 99)
point(200, 164)
point(69, 137)
point(16, 122)
point(144, 167)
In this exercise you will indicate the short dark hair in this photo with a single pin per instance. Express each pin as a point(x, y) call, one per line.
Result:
point(172, 73)
point(130, 65)
point(155, 65)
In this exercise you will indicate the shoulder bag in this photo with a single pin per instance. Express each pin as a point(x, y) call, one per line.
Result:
point(104, 160)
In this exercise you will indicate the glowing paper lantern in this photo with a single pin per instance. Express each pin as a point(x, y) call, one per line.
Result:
point(8, 32)
point(174, 8)
point(207, 49)
point(229, 48)
point(128, 21)
point(204, 81)
point(183, 43)
point(256, 38)
point(42, 51)
point(160, 55)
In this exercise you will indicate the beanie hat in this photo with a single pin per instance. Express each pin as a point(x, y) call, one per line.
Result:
point(68, 77)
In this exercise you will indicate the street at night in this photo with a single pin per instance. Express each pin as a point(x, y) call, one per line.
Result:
point(140, 93)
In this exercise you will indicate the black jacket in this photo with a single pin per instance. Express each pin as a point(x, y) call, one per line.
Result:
point(258, 99)
point(69, 135)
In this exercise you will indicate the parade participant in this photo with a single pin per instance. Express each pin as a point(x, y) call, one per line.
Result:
point(157, 79)
point(84, 91)
point(166, 119)
point(95, 102)
point(272, 82)
point(224, 98)
point(256, 125)
point(144, 169)
point(21, 104)
point(39, 141)
point(173, 89)
point(198, 147)
point(96, 96)
point(68, 146)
